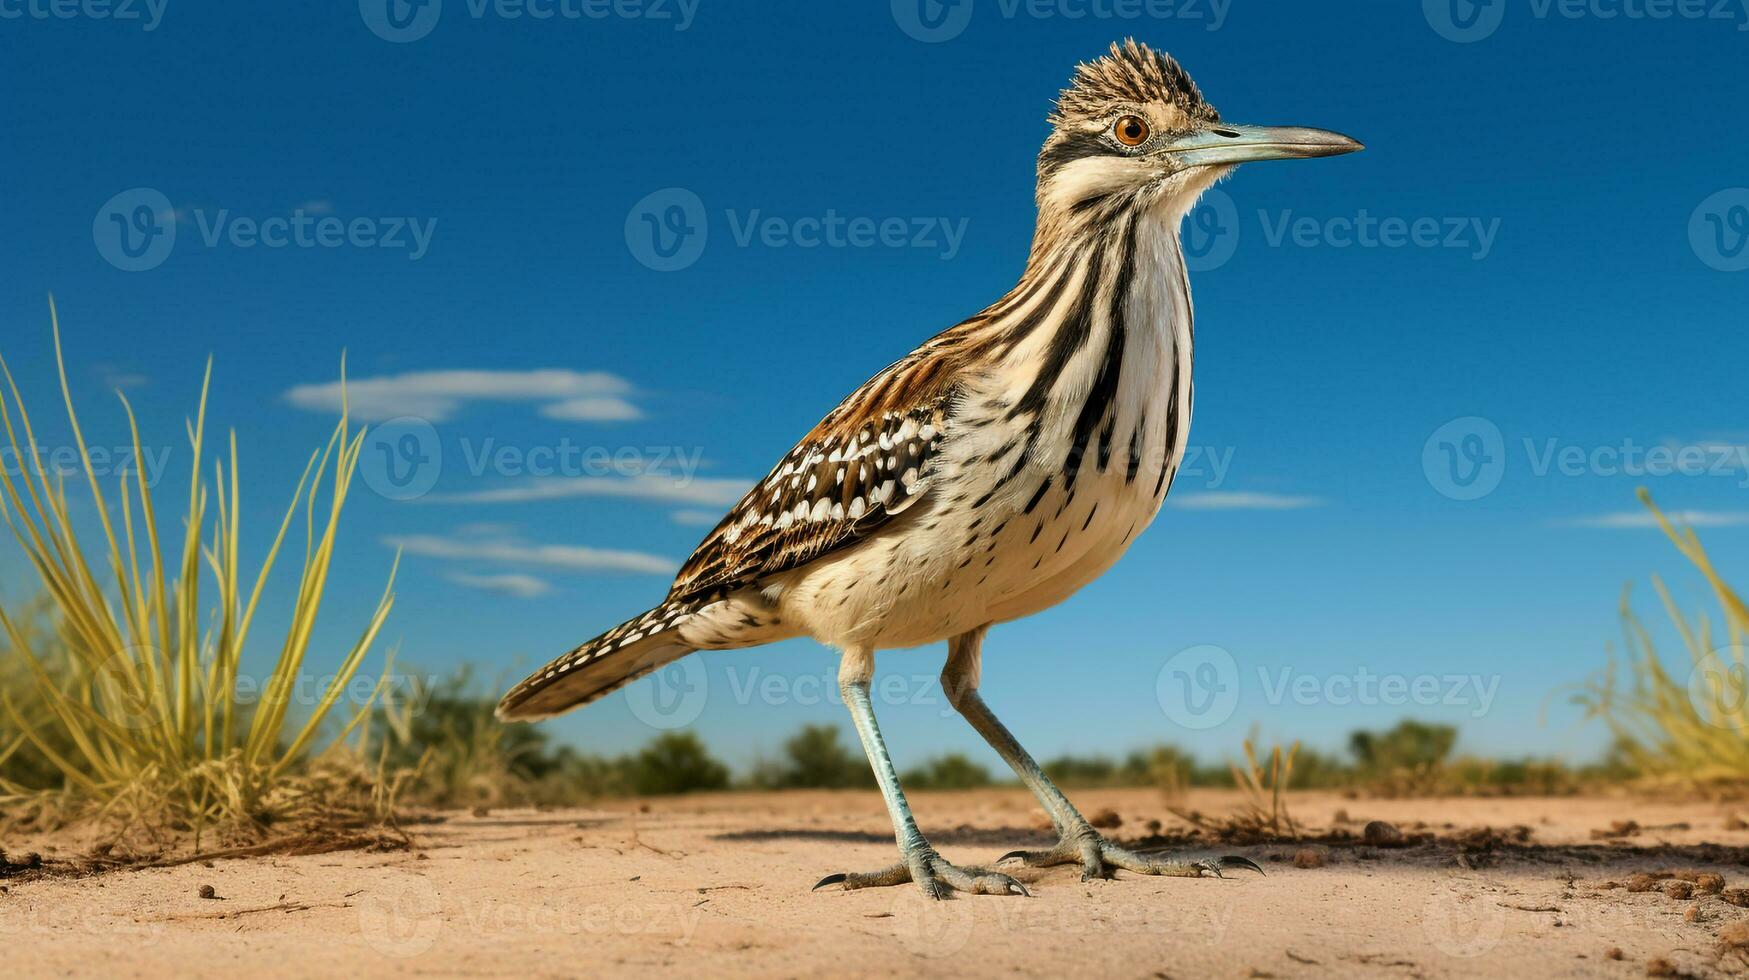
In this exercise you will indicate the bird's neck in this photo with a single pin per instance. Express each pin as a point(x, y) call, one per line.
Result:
point(1117, 284)
point(1094, 343)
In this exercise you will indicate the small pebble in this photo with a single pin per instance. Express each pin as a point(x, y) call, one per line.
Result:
point(1378, 833)
point(206, 891)
point(1734, 936)
point(1308, 858)
point(1106, 819)
point(1679, 889)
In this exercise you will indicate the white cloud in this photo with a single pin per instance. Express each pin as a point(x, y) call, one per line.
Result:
point(510, 583)
point(1242, 500)
point(648, 486)
point(1644, 519)
point(597, 409)
point(509, 551)
point(696, 518)
point(437, 395)
point(118, 377)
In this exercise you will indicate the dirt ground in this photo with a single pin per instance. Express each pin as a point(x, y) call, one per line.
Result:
point(719, 885)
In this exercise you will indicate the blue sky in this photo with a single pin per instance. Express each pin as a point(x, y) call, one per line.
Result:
point(1544, 239)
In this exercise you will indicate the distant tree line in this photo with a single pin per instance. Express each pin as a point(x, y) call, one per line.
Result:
point(459, 755)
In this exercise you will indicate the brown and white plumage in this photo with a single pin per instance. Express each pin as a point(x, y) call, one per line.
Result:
point(1002, 465)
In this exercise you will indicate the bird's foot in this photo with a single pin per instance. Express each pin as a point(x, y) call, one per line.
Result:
point(933, 874)
point(1100, 858)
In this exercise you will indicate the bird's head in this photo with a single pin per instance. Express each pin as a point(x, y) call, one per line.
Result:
point(1132, 130)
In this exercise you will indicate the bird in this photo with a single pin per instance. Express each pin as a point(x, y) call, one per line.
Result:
point(1004, 464)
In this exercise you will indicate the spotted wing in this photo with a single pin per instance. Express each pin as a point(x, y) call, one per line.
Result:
point(858, 469)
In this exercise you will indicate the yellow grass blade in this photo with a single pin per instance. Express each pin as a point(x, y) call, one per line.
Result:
point(140, 712)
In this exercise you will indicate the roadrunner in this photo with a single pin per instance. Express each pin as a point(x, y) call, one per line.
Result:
point(989, 474)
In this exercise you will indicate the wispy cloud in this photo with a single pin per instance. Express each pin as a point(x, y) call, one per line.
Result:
point(438, 395)
point(1242, 500)
point(648, 486)
point(510, 551)
point(510, 583)
point(486, 529)
point(115, 376)
point(596, 409)
point(1635, 519)
point(696, 518)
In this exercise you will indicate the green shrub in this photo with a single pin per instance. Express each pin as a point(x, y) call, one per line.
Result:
point(1411, 746)
point(951, 771)
point(813, 758)
point(1082, 771)
point(675, 762)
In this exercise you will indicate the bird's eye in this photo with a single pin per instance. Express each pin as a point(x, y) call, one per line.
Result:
point(1130, 130)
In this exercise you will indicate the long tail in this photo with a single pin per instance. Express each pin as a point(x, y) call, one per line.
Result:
point(601, 666)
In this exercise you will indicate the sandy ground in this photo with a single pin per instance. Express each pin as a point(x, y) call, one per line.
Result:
point(720, 885)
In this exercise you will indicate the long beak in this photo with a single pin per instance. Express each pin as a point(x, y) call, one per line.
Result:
point(1224, 144)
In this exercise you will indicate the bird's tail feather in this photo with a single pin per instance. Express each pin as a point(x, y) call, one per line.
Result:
point(601, 666)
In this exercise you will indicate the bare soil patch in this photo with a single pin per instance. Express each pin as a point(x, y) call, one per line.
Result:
point(719, 884)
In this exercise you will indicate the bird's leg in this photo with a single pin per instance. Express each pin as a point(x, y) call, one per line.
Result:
point(1077, 840)
point(918, 860)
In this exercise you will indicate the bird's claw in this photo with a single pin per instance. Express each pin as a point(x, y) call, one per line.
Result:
point(1232, 861)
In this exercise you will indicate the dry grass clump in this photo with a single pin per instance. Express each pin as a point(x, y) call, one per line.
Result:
point(1264, 815)
point(125, 698)
point(1691, 726)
